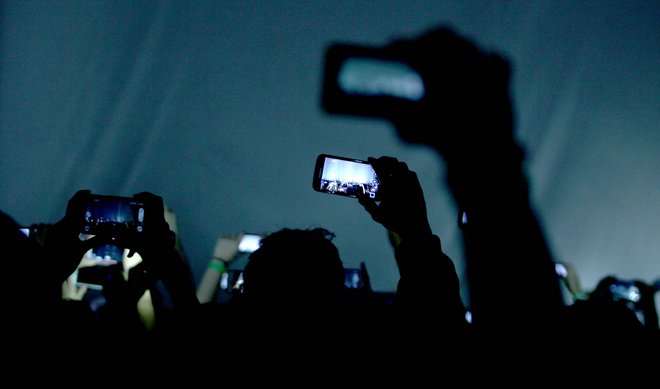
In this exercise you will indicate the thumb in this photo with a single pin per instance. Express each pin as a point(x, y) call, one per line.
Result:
point(370, 206)
point(366, 281)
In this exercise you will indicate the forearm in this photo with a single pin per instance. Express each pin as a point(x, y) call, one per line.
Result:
point(178, 282)
point(210, 282)
point(510, 266)
point(429, 286)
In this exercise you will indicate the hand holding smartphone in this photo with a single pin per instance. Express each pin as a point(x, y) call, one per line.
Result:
point(343, 176)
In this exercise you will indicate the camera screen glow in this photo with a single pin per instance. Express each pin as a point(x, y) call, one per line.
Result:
point(374, 77)
point(353, 279)
point(249, 243)
point(347, 171)
point(112, 214)
point(625, 291)
point(349, 178)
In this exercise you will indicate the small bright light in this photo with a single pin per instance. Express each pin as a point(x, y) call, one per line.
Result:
point(561, 270)
point(464, 218)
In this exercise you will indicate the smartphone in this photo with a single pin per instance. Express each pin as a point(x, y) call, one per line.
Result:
point(112, 215)
point(368, 81)
point(344, 176)
point(232, 281)
point(627, 291)
point(249, 243)
point(353, 278)
point(93, 276)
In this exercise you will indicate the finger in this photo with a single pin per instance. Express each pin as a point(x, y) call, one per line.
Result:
point(369, 205)
point(154, 206)
point(387, 169)
point(76, 204)
point(380, 167)
point(88, 261)
point(81, 291)
point(107, 262)
point(366, 281)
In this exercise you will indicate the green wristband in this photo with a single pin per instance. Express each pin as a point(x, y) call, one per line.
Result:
point(219, 266)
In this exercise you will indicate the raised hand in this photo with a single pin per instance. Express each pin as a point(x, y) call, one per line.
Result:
point(63, 245)
point(403, 207)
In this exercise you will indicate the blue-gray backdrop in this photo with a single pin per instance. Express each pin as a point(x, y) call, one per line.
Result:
point(214, 105)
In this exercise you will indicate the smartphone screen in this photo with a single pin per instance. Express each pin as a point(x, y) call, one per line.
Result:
point(378, 77)
point(353, 278)
point(93, 276)
point(368, 81)
point(232, 281)
point(249, 243)
point(344, 176)
point(112, 214)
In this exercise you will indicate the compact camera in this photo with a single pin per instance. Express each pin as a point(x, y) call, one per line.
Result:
point(112, 215)
point(344, 176)
point(369, 81)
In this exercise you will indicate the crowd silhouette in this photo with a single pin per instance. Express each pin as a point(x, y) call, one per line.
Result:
point(294, 311)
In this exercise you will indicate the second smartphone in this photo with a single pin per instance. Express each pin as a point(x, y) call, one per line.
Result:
point(345, 176)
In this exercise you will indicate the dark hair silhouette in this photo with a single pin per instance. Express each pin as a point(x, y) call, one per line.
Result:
point(295, 266)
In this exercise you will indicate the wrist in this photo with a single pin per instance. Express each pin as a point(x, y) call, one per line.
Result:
point(417, 232)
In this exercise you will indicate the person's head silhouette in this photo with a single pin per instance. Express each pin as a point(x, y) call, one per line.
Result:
point(295, 268)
